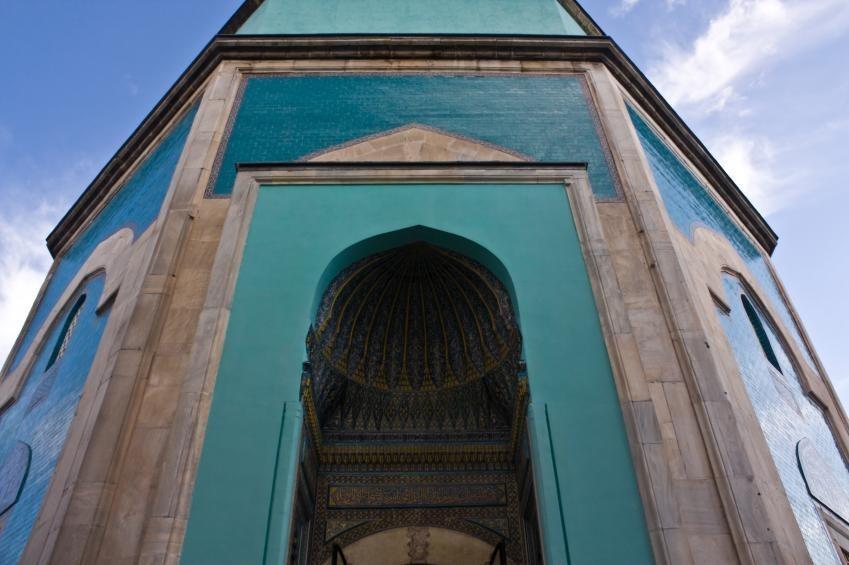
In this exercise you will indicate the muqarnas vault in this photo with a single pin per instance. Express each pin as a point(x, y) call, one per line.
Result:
point(416, 282)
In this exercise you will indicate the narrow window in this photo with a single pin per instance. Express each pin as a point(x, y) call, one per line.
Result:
point(67, 330)
point(761, 332)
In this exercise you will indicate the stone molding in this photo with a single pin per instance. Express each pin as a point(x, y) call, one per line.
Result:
point(415, 143)
point(485, 52)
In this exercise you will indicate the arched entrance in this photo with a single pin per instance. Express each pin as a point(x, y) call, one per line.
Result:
point(415, 396)
point(419, 545)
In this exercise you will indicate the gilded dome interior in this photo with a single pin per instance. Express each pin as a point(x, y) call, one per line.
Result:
point(417, 342)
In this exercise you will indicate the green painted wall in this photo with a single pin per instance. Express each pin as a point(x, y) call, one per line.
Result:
point(583, 465)
point(508, 17)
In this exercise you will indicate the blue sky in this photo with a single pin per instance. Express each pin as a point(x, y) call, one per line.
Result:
point(764, 83)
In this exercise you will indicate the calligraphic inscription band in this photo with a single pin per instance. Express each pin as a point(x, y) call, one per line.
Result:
point(426, 495)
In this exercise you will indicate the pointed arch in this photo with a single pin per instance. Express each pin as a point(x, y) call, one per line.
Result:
point(412, 234)
point(64, 337)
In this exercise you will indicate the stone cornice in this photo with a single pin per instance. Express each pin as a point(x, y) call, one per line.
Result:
point(454, 47)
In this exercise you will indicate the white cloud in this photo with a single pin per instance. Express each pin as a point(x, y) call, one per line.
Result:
point(721, 67)
point(838, 124)
point(749, 36)
point(5, 138)
point(24, 262)
point(624, 7)
point(24, 259)
point(131, 84)
point(751, 162)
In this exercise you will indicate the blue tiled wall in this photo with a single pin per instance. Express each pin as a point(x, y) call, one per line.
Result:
point(786, 415)
point(44, 425)
point(690, 205)
point(135, 206)
point(514, 17)
point(287, 118)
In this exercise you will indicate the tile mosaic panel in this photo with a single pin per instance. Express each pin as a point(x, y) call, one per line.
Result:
point(13, 473)
point(828, 487)
point(788, 416)
point(421, 495)
point(535, 17)
point(135, 206)
point(44, 425)
point(286, 118)
point(690, 205)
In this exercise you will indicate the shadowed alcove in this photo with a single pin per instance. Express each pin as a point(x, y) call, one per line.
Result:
point(415, 396)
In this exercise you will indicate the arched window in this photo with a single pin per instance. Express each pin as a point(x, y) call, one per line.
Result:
point(760, 331)
point(64, 339)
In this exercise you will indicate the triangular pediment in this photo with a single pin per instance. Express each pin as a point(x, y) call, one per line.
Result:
point(415, 143)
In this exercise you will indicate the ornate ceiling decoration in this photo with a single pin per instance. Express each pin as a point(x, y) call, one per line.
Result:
point(417, 343)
